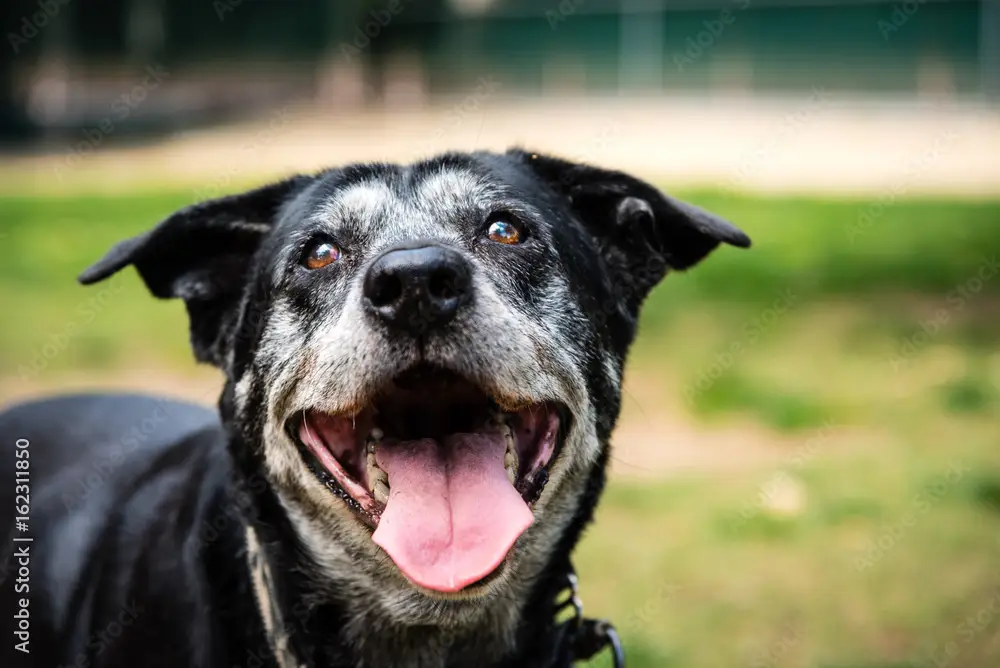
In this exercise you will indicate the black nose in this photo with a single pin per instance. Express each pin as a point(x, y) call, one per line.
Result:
point(417, 289)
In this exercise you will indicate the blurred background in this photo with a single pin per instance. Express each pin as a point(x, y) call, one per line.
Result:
point(807, 467)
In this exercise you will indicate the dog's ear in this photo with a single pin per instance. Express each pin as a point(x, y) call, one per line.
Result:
point(202, 254)
point(640, 230)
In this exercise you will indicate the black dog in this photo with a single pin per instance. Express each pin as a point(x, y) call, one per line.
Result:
point(423, 368)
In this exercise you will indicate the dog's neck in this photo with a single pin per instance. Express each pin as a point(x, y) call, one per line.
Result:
point(352, 631)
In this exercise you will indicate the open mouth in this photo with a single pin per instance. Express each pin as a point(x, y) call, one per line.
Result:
point(445, 474)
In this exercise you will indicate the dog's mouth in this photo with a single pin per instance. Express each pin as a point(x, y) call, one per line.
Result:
point(445, 474)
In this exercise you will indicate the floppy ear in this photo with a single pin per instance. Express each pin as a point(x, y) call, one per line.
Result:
point(641, 231)
point(202, 255)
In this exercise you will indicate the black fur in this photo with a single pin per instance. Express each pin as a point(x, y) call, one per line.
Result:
point(138, 504)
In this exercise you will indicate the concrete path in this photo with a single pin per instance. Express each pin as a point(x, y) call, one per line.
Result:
point(820, 143)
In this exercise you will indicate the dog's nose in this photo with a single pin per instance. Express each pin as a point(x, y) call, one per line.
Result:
point(417, 289)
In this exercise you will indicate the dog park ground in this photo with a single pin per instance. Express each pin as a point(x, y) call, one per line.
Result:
point(806, 471)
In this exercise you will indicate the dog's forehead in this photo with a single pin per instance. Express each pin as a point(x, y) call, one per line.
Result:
point(407, 203)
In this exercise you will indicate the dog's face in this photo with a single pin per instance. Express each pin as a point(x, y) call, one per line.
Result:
point(425, 360)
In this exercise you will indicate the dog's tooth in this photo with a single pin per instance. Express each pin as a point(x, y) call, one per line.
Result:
point(511, 468)
point(375, 472)
point(510, 457)
point(511, 461)
point(381, 491)
point(508, 436)
point(499, 421)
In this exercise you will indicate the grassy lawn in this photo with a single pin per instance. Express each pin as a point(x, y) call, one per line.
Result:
point(870, 541)
point(859, 341)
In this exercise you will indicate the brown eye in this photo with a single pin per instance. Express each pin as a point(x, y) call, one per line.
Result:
point(321, 254)
point(504, 232)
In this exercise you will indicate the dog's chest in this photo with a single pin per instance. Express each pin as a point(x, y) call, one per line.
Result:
point(429, 647)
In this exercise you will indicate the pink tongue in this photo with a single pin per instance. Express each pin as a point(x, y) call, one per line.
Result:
point(452, 514)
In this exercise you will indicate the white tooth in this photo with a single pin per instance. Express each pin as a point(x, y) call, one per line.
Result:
point(380, 490)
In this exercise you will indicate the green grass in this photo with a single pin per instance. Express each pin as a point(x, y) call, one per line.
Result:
point(715, 589)
point(867, 357)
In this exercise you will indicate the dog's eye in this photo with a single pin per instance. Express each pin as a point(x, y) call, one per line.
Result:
point(320, 254)
point(504, 231)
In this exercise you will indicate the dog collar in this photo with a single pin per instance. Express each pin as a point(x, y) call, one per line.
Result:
point(576, 639)
point(579, 638)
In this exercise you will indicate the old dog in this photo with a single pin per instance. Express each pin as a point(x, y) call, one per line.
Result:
point(423, 368)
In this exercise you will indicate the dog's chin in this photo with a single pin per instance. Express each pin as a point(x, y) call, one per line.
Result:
point(442, 474)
